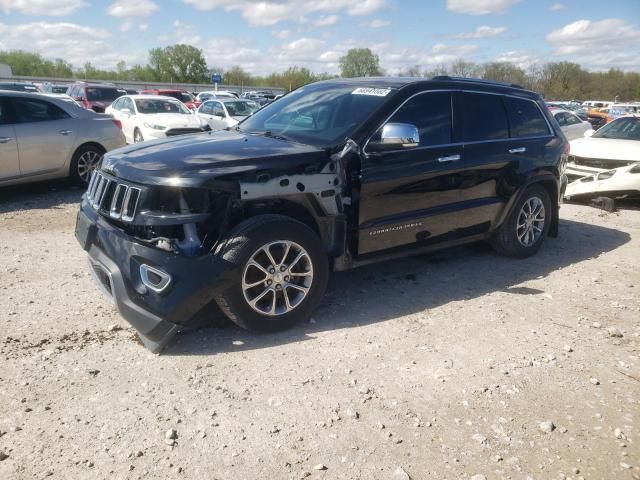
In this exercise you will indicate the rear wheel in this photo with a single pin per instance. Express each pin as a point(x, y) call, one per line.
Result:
point(281, 273)
point(527, 226)
point(84, 162)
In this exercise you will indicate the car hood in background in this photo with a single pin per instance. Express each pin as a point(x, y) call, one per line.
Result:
point(193, 160)
point(606, 149)
point(171, 120)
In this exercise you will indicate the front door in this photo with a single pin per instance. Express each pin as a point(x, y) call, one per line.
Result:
point(411, 196)
point(9, 162)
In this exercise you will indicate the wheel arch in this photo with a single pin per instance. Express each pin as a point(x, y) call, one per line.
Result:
point(550, 183)
point(83, 145)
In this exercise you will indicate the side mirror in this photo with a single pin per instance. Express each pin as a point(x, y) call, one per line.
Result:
point(589, 133)
point(396, 136)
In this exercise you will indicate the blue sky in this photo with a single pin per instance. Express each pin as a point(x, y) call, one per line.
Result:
point(271, 35)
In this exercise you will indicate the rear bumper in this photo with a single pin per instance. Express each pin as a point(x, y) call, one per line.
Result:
point(115, 259)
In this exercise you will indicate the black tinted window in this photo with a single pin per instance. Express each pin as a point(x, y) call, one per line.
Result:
point(483, 117)
point(526, 119)
point(4, 113)
point(30, 110)
point(102, 94)
point(431, 113)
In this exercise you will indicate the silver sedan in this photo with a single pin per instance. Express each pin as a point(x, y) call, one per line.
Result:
point(43, 138)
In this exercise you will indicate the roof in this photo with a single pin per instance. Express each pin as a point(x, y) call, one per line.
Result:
point(400, 82)
point(163, 90)
point(149, 97)
point(227, 100)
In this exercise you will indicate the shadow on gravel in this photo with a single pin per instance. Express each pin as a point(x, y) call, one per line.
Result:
point(389, 290)
point(38, 195)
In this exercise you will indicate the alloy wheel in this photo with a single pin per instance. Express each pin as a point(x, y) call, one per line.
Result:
point(87, 163)
point(530, 223)
point(277, 278)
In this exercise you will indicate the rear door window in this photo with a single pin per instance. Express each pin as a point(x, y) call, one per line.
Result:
point(30, 110)
point(431, 113)
point(218, 110)
point(483, 117)
point(526, 119)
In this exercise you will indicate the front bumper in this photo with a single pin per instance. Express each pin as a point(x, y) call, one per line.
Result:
point(115, 259)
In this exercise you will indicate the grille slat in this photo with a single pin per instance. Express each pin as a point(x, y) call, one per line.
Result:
point(113, 198)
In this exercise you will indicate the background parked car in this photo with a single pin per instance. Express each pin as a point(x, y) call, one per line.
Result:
point(42, 137)
point(19, 87)
point(147, 117)
point(185, 97)
point(225, 112)
point(570, 124)
point(94, 96)
point(210, 94)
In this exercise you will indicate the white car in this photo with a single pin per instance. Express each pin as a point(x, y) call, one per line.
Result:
point(225, 113)
point(570, 124)
point(209, 95)
point(606, 162)
point(148, 117)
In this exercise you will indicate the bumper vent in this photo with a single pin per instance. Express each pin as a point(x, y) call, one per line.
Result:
point(182, 131)
point(110, 197)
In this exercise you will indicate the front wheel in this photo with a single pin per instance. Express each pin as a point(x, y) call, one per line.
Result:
point(281, 273)
point(525, 229)
point(137, 136)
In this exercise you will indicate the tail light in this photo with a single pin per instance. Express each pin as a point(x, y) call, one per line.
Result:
point(117, 123)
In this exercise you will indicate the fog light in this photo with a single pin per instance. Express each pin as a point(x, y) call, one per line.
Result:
point(154, 279)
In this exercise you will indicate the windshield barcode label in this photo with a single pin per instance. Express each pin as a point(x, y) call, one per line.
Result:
point(378, 92)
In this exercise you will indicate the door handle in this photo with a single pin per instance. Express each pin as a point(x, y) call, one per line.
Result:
point(5, 139)
point(449, 158)
point(65, 132)
point(518, 150)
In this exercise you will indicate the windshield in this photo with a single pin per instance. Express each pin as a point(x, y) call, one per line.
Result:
point(627, 128)
point(240, 108)
point(102, 94)
point(321, 115)
point(160, 106)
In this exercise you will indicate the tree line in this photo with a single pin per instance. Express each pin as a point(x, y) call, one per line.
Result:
point(186, 64)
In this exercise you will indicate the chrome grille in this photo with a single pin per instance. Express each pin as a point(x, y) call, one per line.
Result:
point(113, 198)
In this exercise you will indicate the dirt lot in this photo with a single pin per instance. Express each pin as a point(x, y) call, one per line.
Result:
point(438, 367)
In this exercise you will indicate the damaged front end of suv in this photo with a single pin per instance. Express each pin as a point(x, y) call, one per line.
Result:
point(154, 238)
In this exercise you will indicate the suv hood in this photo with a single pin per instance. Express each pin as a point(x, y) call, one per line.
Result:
point(194, 160)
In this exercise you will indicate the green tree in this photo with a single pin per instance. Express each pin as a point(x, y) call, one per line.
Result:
point(179, 63)
point(462, 68)
point(360, 62)
point(236, 75)
point(503, 72)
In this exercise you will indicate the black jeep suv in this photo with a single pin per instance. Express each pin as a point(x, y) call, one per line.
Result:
point(334, 175)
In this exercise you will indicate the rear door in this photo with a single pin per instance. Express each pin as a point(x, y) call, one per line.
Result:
point(46, 135)
point(411, 196)
point(500, 151)
point(9, 162)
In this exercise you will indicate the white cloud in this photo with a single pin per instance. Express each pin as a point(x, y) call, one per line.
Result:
point(376, 23)
point(271, 12)
point(280, 34)
point(132, 8)
point(51, 8)
point(326, 21)
point(143, 27)
point(611, 42)
point(126, 26)
point(556, 7)
point(186, 34)
point(479, 7)
point(521, 58)
point(60, 40)
point(483, 32)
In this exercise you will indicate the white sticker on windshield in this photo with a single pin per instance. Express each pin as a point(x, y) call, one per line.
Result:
point(378, 92)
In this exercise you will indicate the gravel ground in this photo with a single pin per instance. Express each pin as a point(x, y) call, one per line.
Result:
point(458, 365)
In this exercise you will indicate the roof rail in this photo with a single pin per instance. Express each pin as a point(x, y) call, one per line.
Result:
point(477, 80)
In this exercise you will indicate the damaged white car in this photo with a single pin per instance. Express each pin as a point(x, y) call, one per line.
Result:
point(606, 163)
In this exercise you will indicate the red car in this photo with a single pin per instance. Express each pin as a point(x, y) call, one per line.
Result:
point(95, 96)
point(185, 97)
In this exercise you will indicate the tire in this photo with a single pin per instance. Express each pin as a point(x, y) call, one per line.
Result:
point(520, 236)
point(303, 283)
point(83, 162)
point(137, 136)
